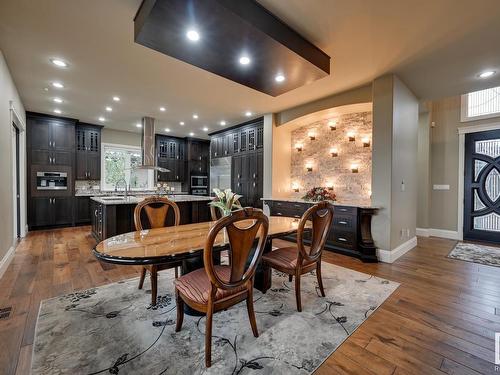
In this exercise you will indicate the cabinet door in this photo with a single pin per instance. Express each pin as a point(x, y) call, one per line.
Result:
point(179, 171)
point(63, 210)
point(260, 137)
point(235, 143)
point(243, 140)
point(40, 134)
point(82, 210)
point(227, 143)
point(93, 141)
point(62, 158)
point(163, 176)
point(93, 166)
point(42, 212)
point(251, 142)
point(43, 157)
point(63, 136)
point(213, 148)
point(81, 154)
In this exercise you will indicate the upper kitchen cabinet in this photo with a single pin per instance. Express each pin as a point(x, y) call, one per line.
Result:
point(170, 154)
point(51, 140)
point(88, 152)
point(198, 155)
point(245, 138)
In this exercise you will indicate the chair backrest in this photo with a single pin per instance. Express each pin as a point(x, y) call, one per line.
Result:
point(152, 212)
point(215, 212)
point(242, 249)
point(321, 215)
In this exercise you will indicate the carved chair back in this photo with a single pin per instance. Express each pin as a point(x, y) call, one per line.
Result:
point(152, 213)
point(321, 215)
point(242, 228)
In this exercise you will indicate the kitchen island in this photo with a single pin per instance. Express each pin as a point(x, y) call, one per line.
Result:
point(113, 215)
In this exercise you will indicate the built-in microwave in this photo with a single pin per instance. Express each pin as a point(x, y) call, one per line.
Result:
point(199, 182)
point(51, 181)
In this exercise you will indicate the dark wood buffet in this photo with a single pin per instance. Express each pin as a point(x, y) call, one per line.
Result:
point(350, 233)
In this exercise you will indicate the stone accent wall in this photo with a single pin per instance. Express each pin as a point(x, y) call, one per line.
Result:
point(328, 170)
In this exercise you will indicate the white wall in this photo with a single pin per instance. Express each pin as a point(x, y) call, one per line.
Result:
point(9, 96)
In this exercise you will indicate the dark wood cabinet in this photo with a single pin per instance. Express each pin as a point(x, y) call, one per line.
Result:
point(88, 152)
point(247, 177)
point(50, 211)
point(350, 233)
point(170, 154)
point(82, 210)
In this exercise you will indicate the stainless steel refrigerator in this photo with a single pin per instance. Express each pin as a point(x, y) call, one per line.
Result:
point(220, 173)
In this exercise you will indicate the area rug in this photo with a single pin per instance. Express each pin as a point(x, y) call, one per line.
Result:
point(481, 254)
point(113, 329)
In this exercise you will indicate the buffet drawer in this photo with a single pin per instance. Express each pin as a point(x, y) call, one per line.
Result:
point(343, 222)
point(343, 239)
point(345, 210)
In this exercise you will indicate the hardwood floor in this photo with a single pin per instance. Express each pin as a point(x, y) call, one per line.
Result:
point(442, 319)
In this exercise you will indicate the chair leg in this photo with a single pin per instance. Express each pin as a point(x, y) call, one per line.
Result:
point(251, 312)
point(180, 311)
point(176, 272)
point(290, 278)
point(143, 276)
point(320, 280)
point(297, 292)
point(154, 284)
point(208, 334)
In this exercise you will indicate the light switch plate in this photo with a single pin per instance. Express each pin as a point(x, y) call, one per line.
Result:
point(441, 187)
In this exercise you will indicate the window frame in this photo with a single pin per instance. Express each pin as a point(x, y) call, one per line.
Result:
point(464, 103)
point(104, 145)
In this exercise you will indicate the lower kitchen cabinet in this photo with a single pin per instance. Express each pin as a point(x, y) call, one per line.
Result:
point(350, 233)
point(51, 211)
point(82, 210)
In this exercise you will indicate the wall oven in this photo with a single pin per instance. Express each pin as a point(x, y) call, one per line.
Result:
point(51, 181)
point(199, 182)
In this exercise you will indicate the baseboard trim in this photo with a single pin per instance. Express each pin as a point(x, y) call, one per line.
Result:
point(388, 256)
point(4, 263)
point(442, 233)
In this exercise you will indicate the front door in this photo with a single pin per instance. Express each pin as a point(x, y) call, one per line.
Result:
point(482, 186)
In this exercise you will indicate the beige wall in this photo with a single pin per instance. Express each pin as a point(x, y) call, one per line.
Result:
point(423, 161)
point(121, 137)
point(444, 162)
point(394, 163)
point(8, 93)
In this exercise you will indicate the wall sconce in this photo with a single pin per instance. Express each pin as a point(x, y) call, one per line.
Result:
point(329, 185)
point(366, 142)
point(351, 136)
point(332, 124)
point(309, 167)
point(354, 168)
point(295, 187)
point(298, 147)
point(334, 152)
point(311, 135)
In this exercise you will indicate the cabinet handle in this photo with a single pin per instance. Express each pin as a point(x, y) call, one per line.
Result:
point(254, 175)
point(254, 184)
point(343, 222)
point(50, 160)
point(297, 216)
point(279, 214)
point(239, 175)
point(215, 154)
point(342, 239)
point(54, 144)
point(95, 213)
point(296, 205)
point(343, 209)
point(238, 184)
point(54, 160)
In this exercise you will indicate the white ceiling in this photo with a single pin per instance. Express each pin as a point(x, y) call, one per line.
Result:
point(436, 46)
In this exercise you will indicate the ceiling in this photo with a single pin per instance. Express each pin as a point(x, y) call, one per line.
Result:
point(437, 47)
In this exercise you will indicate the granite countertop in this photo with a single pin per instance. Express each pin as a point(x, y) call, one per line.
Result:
point(114, 200)
point(360, 203)
point(90, 193)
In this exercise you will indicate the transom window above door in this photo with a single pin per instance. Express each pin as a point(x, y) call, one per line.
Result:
point(481, 104)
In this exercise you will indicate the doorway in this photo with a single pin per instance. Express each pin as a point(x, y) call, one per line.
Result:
point(17, 181)
point(482, 187)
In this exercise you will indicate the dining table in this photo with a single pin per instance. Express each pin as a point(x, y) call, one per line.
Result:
point(185, 244)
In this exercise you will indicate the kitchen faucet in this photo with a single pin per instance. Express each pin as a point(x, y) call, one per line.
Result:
point(118, 182)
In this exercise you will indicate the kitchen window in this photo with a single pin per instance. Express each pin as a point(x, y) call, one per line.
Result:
point(117, 163)
point(481, 104)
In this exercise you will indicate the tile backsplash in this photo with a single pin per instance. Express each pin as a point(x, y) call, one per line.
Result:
point(94, 187)
point(315, 166)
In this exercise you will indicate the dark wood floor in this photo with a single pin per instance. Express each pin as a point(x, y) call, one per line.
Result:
point(442, 318)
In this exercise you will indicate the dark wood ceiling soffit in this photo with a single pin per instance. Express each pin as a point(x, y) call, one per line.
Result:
point(229, 29)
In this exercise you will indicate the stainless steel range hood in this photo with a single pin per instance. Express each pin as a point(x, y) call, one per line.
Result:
point(148, 146)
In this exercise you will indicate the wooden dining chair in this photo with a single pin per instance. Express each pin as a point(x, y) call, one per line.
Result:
point(298, 260)
point(153, 213)
point(218, 287)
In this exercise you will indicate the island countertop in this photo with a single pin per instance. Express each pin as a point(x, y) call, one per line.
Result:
point(115, 200)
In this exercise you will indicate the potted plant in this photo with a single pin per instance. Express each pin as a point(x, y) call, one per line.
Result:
point(226, 201)
point(318, 194)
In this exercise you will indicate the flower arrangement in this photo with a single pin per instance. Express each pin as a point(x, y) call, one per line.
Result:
point(318, 194)
point(226, 201)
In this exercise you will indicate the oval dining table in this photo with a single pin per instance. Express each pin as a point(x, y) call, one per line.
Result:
point(185, 243)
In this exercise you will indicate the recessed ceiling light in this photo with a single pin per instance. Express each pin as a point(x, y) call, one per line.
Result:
point(58, 100)
point(205, 129)
point(222, 123)
point(163, 109)
point(193, 35)
point(139, 125)
point(101, 119)
point(195, 116)
point(58, 62)
point(109, 109)
point(181, 123)
point(58, 85)
point(487, 74)
point(248, 113)
point(279, 78)
point(191, 134)
point(245, 60)
point(58, 111)
point(116, 98)
point(167, 130)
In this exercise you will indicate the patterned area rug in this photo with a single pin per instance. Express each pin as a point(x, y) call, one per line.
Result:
point(113, 329)
point(481, 254)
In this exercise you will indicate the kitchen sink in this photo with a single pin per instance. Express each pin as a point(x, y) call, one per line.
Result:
point(116, 198)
